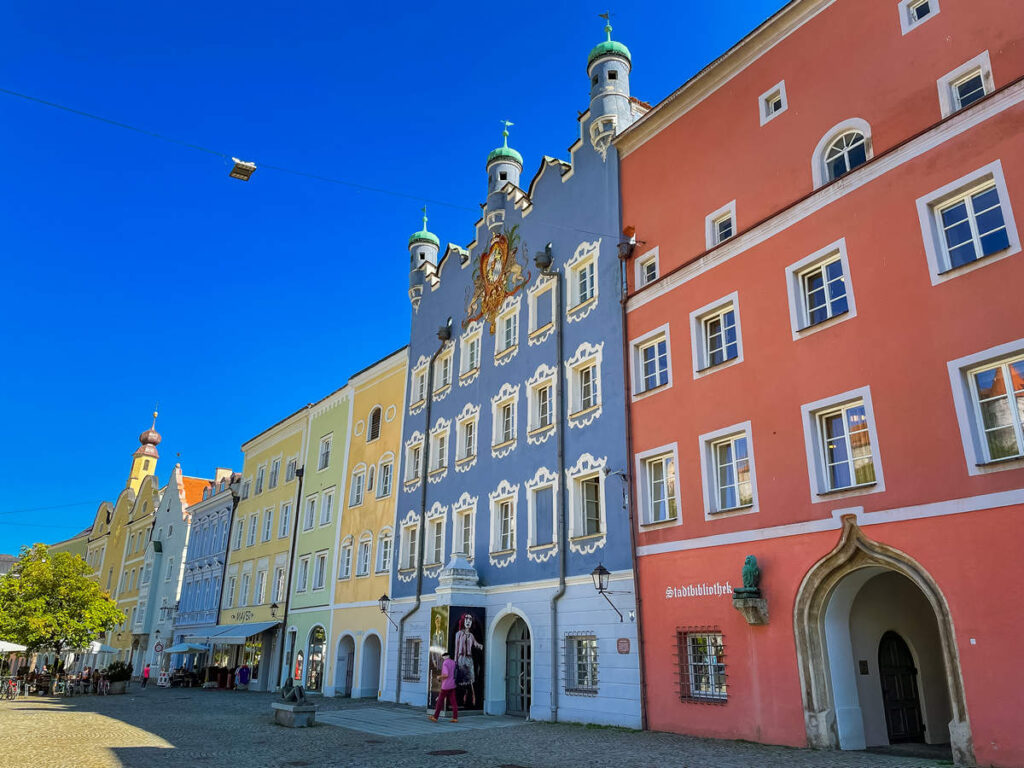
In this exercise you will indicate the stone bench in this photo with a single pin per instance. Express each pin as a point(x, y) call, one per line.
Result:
point(294, 715)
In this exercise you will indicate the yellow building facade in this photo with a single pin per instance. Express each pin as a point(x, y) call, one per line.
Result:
point(253, 600)
point(365, 544)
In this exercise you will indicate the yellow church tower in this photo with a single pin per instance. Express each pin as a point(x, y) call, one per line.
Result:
point(145, 456)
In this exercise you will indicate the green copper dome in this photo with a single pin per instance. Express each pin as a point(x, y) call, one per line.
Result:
point(424, 234)
point(505, 152)
point(609, 47)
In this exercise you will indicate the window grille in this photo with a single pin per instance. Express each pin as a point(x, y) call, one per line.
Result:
point(700, 658)
point(580, 659)
point(411, 659)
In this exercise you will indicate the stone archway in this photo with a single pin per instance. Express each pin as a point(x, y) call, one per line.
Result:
point(344, 667)
point(369, 668)
point(858, 557)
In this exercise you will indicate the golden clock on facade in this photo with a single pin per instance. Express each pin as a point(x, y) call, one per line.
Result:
point(496, 276)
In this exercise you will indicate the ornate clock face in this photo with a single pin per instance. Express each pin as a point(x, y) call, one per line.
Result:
point(494, 263)
point(498, 276)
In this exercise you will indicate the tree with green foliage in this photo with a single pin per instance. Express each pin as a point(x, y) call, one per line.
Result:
point(49, 601)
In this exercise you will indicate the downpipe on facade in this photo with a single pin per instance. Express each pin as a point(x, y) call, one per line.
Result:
point(543, 260)
point(299, 472)
point(444, 333)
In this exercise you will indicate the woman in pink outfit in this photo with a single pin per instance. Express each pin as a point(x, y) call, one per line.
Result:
point(447, 692)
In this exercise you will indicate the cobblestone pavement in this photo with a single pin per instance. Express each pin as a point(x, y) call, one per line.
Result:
point(183, 728)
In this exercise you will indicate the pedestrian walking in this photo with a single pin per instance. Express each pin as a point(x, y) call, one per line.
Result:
point(447, 692)
point(145, 675)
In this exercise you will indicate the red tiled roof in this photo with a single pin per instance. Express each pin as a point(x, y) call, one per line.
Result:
point(194, 487)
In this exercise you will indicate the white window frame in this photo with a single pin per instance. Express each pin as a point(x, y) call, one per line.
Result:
point(384, 552)
point(261, 476)
point(239, 533)
point(320, 570)
point(929, 205)
point(509, 312)
point(709, 471)
point(357, 486)
point(385, 475)
point(640, 278)
point(907, 20)
point(966, 406)
point(636, 361)
point(243, 589)
point(323, 460)
point(418, 384)
point(779, 89)
point(409, 543)
point(473, 336)
point(587, 467)
point(543, 290)
point(289, 469)
point(268, 524)
point(643, 459)
point(799, 318)
point(542, 479)
point(279, 586)
point(309, 513)
point(433, 552)
point(275, 474)
point(440, 440)
point(949, 101)
point(573, 684)
point(814, 450)
point(464, 513)
point(444, 371)
point(284, 519)
point(698, 343)
point(469, 415)
point(819, 171)
point(712, 664)
point(711, 221)
point(345, 558)
point(507, 395)
point(545, 377)
point(229, 593)
point(413, 462)
point(504, 493)
point(259, 591)
point(585, 356)
point(586, 253)
point(254, 526)
point(327, 507)
point(302, 573)
point(363, 564)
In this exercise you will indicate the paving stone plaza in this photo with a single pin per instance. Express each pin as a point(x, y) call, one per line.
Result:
point(186, 727)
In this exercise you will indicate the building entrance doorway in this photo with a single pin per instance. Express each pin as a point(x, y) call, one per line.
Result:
point(898, 677)
point(345, 666)
point(517, 669)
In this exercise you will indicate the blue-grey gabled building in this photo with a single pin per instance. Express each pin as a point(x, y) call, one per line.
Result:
point(515, 454)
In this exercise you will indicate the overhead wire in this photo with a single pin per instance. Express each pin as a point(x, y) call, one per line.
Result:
point(278, 168)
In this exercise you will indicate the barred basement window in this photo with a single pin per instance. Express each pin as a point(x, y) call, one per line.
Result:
point(701, 659)
point(411, 659)
point(581, 664)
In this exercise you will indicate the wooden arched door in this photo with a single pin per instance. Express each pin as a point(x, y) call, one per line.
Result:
point(898, 675)
point(518, 661)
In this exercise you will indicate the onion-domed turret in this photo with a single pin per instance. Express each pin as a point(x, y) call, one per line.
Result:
point(145, 456)
point(149, 440)
point(608, 67)
point(424, 246)
point(504, 164)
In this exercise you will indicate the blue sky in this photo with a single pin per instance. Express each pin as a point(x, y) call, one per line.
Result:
point(136, 271)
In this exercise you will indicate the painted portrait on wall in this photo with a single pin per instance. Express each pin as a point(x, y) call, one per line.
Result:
point(467, 643)
point(438, 645)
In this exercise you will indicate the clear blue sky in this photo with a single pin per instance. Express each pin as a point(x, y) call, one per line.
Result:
point(136, 271)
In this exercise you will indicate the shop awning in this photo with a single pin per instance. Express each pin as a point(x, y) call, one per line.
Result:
point(231, 634)
point(186, 648)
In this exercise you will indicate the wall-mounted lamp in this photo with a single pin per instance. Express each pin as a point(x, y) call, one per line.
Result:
point(601, 576)
point(384, 602)
point(273, 610)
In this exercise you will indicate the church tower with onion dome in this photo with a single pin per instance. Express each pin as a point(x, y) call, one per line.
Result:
point(145, 456)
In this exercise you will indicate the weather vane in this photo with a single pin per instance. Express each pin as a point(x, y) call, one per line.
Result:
point(504, 133)
point(607, 16)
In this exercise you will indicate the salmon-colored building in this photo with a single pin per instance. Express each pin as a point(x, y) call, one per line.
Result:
point(826, 343)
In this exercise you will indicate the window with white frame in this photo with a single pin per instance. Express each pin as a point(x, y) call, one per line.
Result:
point(715, 331)
point(275, 473)
point(845, 443)
point(243, 591)
point(646, 268)
point(411, 658)
point(581, 280)
point(229, 593)
point(433, 553)
point(302, 574)
point(370, 477)
point(659, 491)
point(410, 532)
point(325, 453)
point(278, 590)
point(319, 570)
point(239, 532)
point(443, 369)
point(268, 524)
point(581, 664)
point(541, 302)
point(260, 476)
point(385, 542)
point(284, 527)
point(245, 489)
point(414, 458)
point(997, 393)
point(260, 593)
point(650, 359)
point(913, 13)
point(439, 446)
point(290, 470)
point(583, 370)
point(506, 335)
point(728, 470)
point(541, 400)
point(418, 384)
point(819, 289)
point(504, 526)
point(345, 558)
point(326, 507)
point(469, 353)
point(466, 436)
point(503, 411)
point(968, 223)
point(310, 517)
point(701, 654)
point(844, 153)
point(772, 102)
point(384, 477)
point(463, 535)
point(587, 511)
point(364, 555)
point(966, 84)
point(355, 494)
point(720, 225)
point(254, 523)
point(373, 425)
point(542, 504)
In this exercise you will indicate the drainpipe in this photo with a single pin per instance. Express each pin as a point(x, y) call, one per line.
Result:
point(625, 254)
point(444, 333)
point(543, 261)
point(299, 472)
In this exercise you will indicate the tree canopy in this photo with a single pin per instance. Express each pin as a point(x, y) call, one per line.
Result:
point(50, 600)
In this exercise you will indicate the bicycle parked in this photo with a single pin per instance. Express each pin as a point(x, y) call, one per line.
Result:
point(10, 689)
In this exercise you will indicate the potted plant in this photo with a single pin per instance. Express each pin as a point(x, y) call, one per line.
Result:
point(119, 673)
